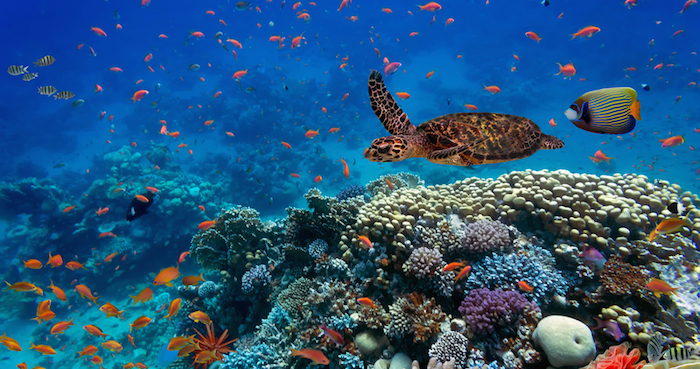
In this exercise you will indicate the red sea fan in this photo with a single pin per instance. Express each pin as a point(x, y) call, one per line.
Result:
point(616, 357)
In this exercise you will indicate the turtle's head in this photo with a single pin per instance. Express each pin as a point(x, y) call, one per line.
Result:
point(388, 149)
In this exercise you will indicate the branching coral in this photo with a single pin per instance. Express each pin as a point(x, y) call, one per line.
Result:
point(451, 345)
point(414, 314)
point(620, 278)
point(351, 191)
point(256, 278)
point(484, 310)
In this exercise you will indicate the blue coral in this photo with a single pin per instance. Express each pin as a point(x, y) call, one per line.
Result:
point(535, 267)
point(342, 322)
point(318, 248)
point(257, 357)
point(485, 310)
point(350, 361)
point(351, 191)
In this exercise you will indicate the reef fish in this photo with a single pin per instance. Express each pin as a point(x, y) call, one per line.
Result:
point(316, 356)
point(137, 208)
point(608, 110)
point(658, 287)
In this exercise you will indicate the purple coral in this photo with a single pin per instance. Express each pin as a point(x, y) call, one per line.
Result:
point(484, 309)
point(486, 235)
point(258, 276)
point(425, 261)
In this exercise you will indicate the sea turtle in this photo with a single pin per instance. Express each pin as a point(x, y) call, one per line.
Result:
point(454, 139)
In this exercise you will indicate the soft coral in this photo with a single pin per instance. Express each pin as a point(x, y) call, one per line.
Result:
point(616, 357)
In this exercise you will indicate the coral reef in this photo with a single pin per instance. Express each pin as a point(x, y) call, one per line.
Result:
point(351, 191)
point(620, 278)
point(485, 310)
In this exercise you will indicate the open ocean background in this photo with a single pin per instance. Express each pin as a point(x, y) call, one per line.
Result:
point(38, 134)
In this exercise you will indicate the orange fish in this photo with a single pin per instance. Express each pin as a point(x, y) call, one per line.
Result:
point(463, 273)
point(334, 130)
point(183, 255)
point(318, 179)
point(10, 343)
point(141, 198)
point(68, 209)
point(200, 317)
point(670, 226)
point(430, 74)
point(60, 327)
point(88, 351)
point(21, 287)
point(175, 134)
point(197, 34)
point(209, 122)
point(98, 31)
point(55, 261)
point(84, 292)
point(567, 70)
point(206, 225)
point(672, 141)
point(658, 287)
point(167, 275)
point(112, 345)
point(102, 211)
point(94, 330)
point(586, 32)
point(116, 69)
point(387, 10)
point(403, 95)
point(177, 343)
point(107, 234)
point(74, 265)
point(366, 301)
point(365, 241)
point(533, 36)
point(58, 292)
point(525, 287)
point(44, 316)
point(152, 189)
point(346, 170)
point(601, 156)
point(43, 306)
point(239, 74)
point(32, 264)
point(452, 266)
point(174, 307)
point(430, 7)
point(311, 134)
point(286, 144)
point(111, 311)
point(334, 335)
point(44, 349)
point(316, 356)
point(492, 89)
point(193, 280)
point(470, 107)
point(139, 323)
point(145, 295)
point(294, 175)
point(296, 41)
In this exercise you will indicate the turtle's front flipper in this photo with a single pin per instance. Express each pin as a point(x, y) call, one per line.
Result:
point(385, 107)
point(458, 155)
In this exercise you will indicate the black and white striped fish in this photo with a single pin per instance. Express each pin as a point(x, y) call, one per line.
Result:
point(47, 90)
point(678, 353)
point(16, 70)
point(63, 95)
point(47, 60)
point(676, 208)
point(29, 76)
point(655, 347)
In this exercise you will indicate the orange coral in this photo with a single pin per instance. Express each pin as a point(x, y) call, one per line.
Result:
point(616, 357)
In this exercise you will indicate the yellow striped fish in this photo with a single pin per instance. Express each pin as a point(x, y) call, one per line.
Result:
point(16, 70)
point(29, 76)
point(47, 60)
point(608, 110)
point(47, 90)
point(63, 95)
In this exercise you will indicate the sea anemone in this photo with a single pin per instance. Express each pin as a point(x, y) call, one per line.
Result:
point(210, 343)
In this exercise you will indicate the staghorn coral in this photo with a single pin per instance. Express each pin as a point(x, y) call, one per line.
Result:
point(416, 315)
point(532, 264)
point(620, 278)
point(451, 346)
point(423, 262)
point(485, 310)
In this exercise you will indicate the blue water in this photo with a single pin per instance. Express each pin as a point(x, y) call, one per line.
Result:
point(39, 135)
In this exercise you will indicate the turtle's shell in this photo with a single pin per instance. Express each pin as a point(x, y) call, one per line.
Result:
point(503, 137)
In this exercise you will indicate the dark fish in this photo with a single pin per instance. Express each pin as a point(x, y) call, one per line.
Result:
point(138, 208)
point(59, 165)
point(646, 87)
point(78, 103)
point(608, 110)
point(257, 180)
point(286, 88)
point(242, 5)
point(219, 172)
point(250, 89)
point(249, 169)
point(676, 208)
point(116, 14)
point(448, 102)
point(545, 3)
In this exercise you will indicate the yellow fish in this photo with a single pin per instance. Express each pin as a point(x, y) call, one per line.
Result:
point(608, 110)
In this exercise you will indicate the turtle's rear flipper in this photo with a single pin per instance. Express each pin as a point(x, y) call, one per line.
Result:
point(551, 143)
point(385, 107)
point(459, 155)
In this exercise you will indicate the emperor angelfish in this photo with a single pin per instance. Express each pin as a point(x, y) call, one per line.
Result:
point(608, 110)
